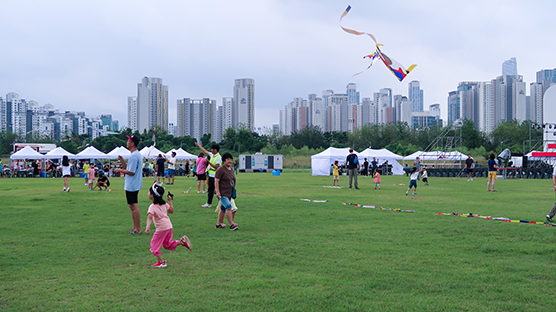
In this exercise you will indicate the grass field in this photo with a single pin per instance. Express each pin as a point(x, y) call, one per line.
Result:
point(71, 251)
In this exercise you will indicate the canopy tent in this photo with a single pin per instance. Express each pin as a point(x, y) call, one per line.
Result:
point(91, 153)
point(150, 152)
point(437, 156)
point(26, 153)
point(320, 163)
point(180, 154)
point(59, 153)
point(383, 155)
point(117, 151)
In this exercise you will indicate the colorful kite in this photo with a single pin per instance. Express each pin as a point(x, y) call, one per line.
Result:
point(396, 68)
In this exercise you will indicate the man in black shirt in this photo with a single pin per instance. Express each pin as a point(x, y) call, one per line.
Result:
point(469, 167)
point(352, 164)
point(160, 167)
point(102, 182)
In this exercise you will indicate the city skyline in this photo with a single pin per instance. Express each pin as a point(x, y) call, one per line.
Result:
point(81, 54)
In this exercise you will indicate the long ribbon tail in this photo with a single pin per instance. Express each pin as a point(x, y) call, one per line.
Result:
point(354, 32)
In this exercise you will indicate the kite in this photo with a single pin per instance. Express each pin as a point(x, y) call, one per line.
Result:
point(396, 68)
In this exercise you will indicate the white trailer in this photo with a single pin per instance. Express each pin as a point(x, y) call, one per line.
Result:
point(260, 162)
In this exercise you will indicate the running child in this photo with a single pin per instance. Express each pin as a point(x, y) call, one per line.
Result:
point(413, 183)
point(162, 237)
point(377, 180)
point(335, 174)
point(91, 173)
point(425, 176)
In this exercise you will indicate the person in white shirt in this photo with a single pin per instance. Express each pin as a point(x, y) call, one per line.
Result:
point(413, 182)
point(171, 168)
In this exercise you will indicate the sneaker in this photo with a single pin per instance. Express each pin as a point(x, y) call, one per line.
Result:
point(198, 192)
point(233, 227)
point(68, 189)
point(206, 206)
point(185, 242)
point(159, 264)
point(220, 226)
point(357, 188)
point(548, 218)
point(375, 188)
point(204, 192)
point(350, 188)
point(86, 184)
point(467, 180)
point(471, 179)
point(64, 189)
point(406, 193)
point(414, 193)
point(379, 188)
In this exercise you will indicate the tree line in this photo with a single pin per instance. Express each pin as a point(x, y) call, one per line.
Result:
point(399, 138)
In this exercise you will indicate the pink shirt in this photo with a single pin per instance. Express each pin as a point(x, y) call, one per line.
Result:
point(201, 165)
point(160, 216)
point(91, 173)
point(377, 178)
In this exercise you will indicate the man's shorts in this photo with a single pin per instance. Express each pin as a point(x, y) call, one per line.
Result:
point(131, 197)
point(492, 175)
point(160, 173)
point(202, 177)
point(469, 170)
point(225, 203)
point(171, 172)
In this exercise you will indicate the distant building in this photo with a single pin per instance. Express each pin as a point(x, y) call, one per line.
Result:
point(415, 95)
point(509, 67)
point(195, 117)
point(244, 103)
point(150, 107)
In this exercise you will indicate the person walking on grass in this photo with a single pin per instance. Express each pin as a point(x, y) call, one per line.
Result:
point(212, 166)
point(352, 164)
point(224, 184)
point(91, 174)
point(377, 180)
point(335, 174)
point(133, 181)
point(492, 167)
point(66, 172)
point(171, 168)
point(162, 237)
point(160, 167)
point(552, 212)
point(413, 180)
point(425, 176)
point(469, 167)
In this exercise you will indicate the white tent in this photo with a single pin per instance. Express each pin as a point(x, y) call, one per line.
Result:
point(26, 153)
point(91, 153)
point(383, 155)
point(414, 155)
point(320, 163)
point(180, 154)
point(150, 152)
point(59, 153)
point(117, 151)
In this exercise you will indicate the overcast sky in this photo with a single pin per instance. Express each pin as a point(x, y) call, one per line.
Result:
point(90, 55)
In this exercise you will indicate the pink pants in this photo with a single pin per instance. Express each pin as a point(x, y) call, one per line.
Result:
point(164, 239)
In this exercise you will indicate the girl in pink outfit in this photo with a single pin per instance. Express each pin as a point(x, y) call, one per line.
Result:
point(377, 180)
point(158, 212)
point(201, 172)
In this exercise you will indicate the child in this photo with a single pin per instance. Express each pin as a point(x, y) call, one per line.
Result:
point(414, 175)
point(86, 172)
point(425, 177)
point(335, 174)
point(377, 179)
point(91, 173)
point(158, 212)
point(66, 172)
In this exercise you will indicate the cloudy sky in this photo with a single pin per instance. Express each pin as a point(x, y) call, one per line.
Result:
point(90, 55)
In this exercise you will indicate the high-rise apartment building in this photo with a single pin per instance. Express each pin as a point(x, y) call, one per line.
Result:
point(195, 117)
point(352, 93)
point(244, 103)
point(536, 103)
point(468, 94)
point(415, 95)
point(150, 107)
point(509, 67)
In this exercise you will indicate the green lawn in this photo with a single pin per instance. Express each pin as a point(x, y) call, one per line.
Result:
point(71, 251)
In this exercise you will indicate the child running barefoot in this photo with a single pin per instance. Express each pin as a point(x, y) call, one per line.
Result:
point(158, 212)
point(413, 182)
point(377, 179)
point(335, 174)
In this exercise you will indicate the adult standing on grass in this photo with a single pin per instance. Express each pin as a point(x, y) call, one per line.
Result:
point(133, 181)
point(417, 164)
point(469, 167)
point(160, 167)
point(224, 182)
point(172, 168)
point(553, 210)
point(352, 164)
point(374, 166)
point(365, 168)
point(214, 163)
point(492, 167)
point(66, 172)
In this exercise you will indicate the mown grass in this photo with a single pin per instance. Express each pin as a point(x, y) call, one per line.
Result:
point(71, 251)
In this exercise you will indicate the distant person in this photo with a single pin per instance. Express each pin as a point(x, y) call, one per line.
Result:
point(417, 164)
point(365, 168)
point(425, 176)
point(374, 165)
point(492, 167)
point(201, 166)
point(552, 212)
point(86, 172)
point(133, 181)
point(160, 160)
point(146, 169)
point(406, 169)
point(66, 172)
point(212, 166)
point(377, 180)
point(335, 174)
point(187, 171)
point(224, 184)
point(102, 182)
point(469, 167)
point(172, 168)
point(35, 166)
point(352, 164)
point(91, 173)
point(162, 237)
point(413, 180)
